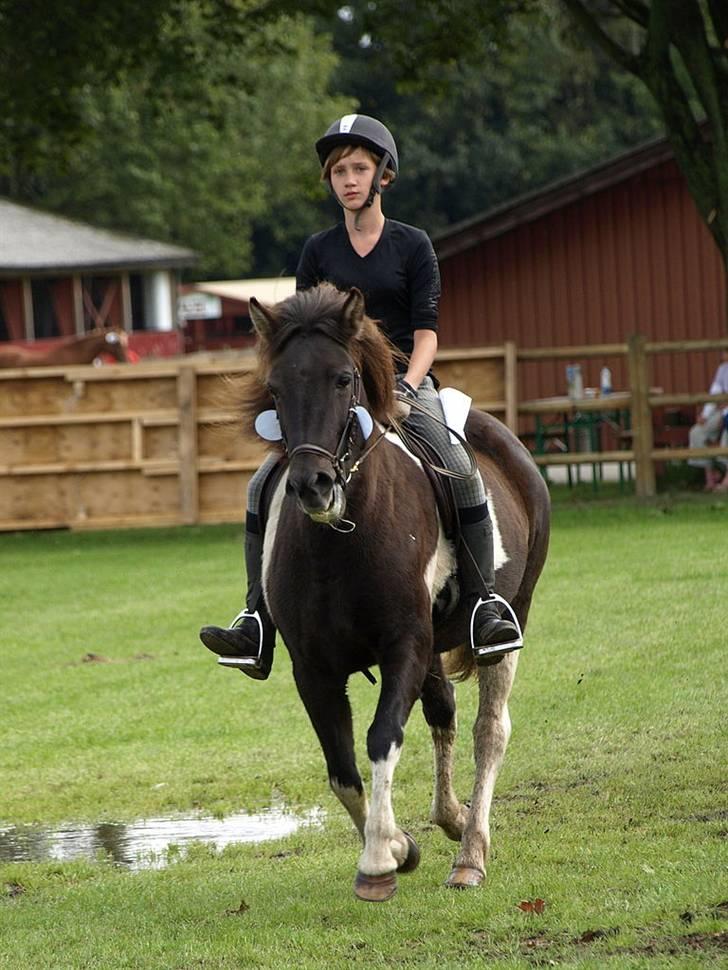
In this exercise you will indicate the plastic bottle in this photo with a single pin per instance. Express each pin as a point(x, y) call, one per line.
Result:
point(605, 381)
point(574, 381)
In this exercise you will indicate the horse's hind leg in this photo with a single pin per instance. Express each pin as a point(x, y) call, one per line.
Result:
point(438, 705)
point(490, 737)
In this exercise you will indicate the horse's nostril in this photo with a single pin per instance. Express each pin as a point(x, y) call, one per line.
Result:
point(322, 481)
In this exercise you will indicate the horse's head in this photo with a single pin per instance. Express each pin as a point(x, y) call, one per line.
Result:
point(321, 360)
point(116, 343)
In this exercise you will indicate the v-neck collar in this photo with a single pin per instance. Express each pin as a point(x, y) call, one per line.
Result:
point(385, 228)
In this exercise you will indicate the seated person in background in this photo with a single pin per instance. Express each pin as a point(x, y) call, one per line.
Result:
point(710, 429)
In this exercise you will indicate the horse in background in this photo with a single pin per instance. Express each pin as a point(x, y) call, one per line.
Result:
point(71, 350)
point(354, 558)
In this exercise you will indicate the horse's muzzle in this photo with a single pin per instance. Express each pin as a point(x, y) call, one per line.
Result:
point(318, 494)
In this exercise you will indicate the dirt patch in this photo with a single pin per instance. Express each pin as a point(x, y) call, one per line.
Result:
point(97, 658)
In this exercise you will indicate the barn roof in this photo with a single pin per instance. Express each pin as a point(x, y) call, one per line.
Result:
point(532, 205)
point(33, 241)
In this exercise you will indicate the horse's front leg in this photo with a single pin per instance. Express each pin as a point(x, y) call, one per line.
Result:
point(491, 732)
point(387, 849)
point(330, 713)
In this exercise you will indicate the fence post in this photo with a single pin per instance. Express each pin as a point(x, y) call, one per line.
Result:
point(188, 471)
point(641, 416)
point(510, 383)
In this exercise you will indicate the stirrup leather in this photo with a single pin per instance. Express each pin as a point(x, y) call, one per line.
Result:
point(495, 648)
point(242, 662)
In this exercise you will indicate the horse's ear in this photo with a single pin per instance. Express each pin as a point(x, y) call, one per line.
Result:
point(352, 313)
point(263, 318)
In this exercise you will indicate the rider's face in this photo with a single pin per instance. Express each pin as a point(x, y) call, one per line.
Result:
point(351, 178)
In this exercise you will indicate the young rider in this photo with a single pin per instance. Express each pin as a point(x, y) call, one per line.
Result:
point(395, 267)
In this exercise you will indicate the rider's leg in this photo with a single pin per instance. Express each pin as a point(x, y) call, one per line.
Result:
point(475, 553)
point(242, 640)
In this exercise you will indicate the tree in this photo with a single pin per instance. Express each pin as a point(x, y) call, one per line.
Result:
point(679, 50)
point(202, 150)
point(479, 134)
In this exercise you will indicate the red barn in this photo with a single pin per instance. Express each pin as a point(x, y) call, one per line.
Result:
point(614, 250)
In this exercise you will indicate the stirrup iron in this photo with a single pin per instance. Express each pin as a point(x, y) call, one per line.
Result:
point(240, 663)
point(495, 648)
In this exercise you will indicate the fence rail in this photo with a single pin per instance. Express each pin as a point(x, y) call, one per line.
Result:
point(158, 443)
point(640, 400)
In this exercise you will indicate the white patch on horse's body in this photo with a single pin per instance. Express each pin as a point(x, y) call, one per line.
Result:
point(385, 845)
point(394, 439)
point(500, 556)
point(441, 565)
point(269, 539)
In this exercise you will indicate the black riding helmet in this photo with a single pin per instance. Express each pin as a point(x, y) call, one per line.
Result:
point(361, 130)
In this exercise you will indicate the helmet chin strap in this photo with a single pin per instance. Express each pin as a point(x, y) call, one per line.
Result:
point(374, 190)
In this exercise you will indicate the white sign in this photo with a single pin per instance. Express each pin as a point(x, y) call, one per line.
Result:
point(199, 306)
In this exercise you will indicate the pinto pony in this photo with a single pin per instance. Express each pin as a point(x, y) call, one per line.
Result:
point(354, 558)
point(72, 350)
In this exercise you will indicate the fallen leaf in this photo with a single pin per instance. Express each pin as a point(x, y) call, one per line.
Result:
point(535, 906)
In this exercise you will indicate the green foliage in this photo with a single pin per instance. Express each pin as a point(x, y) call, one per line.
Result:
point(522, 109)
point(202, 159)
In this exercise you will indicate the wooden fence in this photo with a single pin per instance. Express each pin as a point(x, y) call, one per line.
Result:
point(157, 443)
point(640, 400)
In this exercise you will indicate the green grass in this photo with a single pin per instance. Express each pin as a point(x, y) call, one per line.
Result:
point(611, 805)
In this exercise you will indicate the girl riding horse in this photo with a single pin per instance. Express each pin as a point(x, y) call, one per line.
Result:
point(394, 265)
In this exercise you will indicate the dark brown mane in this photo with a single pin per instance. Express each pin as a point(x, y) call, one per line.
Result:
point(318, 311)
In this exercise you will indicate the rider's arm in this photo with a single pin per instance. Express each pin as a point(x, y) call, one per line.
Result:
point(423, 354)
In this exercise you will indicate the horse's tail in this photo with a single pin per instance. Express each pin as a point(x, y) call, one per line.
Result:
point(459, 664)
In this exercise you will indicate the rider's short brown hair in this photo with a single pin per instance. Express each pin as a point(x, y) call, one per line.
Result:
point(341, 151)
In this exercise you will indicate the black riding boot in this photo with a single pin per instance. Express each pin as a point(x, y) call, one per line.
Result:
point(247, 644)
point(492, 636)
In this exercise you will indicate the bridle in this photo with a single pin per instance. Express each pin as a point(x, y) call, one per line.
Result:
point(341, 457)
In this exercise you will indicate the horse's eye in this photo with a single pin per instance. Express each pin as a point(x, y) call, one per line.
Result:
point(343, 380)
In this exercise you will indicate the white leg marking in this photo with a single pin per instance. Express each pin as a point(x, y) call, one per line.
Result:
point(274, 514)
point(500, 556)
point(355, 803)
point(385, 846)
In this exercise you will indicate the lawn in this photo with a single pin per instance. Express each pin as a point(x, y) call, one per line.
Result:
point(611, 805)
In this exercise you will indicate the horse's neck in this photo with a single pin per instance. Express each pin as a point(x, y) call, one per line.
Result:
point(77, 351)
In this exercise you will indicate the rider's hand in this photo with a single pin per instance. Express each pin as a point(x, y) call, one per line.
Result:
point(404, 394)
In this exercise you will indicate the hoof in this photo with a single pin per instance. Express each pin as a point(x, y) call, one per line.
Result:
point(375, 889)
point(464, 877)
point(413, 855)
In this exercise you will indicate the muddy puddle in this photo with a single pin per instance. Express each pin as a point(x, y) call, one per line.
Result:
point(150, 843)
